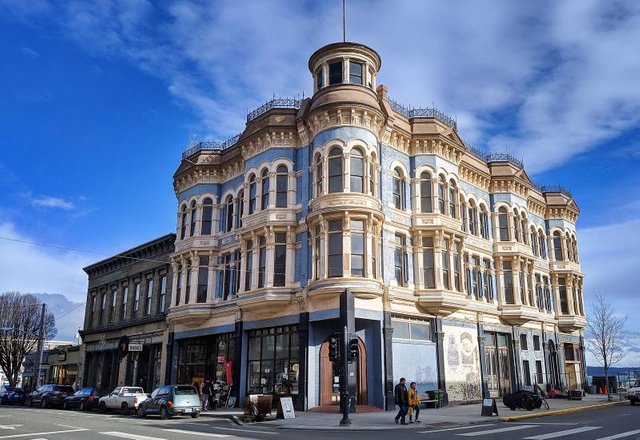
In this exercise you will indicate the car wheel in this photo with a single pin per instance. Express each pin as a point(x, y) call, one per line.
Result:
point(195, 415)
point(164, 413)
point(140, 413)
point(43, 403)
point(125, 408)
point(82, 407)
point(103, 407)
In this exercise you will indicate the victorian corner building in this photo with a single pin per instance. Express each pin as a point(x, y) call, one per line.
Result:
point(465, 273)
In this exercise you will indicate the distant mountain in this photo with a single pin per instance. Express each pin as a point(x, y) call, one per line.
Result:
point(69, 315)
point(613, 371)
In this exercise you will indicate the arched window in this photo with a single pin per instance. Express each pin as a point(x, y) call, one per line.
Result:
point(543, 245)
point(282, 186)
point(569, 245)
point(356, 162)
point(473, 218)
point(426, 204)
point(523, 226)
point(252, 194)
point(229, 214)
point(207, 215)
point(557, 246)
point(372, 173)
point(441, 193)
point(463, 211)
point(484, 223)
point(452, 199)
point(318, 168)
point(503, 224)
point(183, 222)
point(398, 189)
point(533, 237)
point(264, 178)
point(516, 226)
point(335, 171)
point(574, 242)
point(239, 208)
point(194, 218)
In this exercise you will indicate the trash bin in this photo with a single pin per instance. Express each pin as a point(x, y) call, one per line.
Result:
point(592, 389)
point(437, 395)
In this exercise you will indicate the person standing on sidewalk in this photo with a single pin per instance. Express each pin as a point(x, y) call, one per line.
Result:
point(207, 391)
point(402, 400)
point(414, 402)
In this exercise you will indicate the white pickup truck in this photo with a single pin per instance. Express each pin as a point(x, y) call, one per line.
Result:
point(123, 398)
point(634, 393)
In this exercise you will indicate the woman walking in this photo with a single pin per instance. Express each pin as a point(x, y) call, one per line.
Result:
point(414, 402)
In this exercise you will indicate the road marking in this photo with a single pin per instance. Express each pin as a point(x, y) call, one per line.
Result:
point(131, 436)
point(247, 430)
point(455, 429)
point(12, 427)
point(621, 435)
point(198, 434)
point(44, 433)
point(563, 433)
point(494, 431)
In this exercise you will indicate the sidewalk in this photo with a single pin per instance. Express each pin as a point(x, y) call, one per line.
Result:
point(430, 418)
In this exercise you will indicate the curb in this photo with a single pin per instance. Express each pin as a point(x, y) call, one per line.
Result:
point(556, 412)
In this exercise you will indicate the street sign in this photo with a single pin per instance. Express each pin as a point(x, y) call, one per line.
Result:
point(135, 347)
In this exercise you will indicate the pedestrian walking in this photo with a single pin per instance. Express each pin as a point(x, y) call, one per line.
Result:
point(414, 402)
point(402, 400)
point(207, 391)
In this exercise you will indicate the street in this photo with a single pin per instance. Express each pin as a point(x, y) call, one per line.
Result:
point(617, 422)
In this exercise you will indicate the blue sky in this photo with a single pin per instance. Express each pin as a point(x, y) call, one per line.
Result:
point(99, 99)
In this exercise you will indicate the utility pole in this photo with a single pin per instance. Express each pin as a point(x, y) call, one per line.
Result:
point(40, 346)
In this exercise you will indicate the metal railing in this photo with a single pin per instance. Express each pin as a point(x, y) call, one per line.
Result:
point(554, 189)
point(428, 112)
point(196, 145)
point(274, 103)
point(493, 157)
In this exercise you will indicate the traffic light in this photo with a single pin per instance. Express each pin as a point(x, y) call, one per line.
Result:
point(353, 349)
point(334, 349)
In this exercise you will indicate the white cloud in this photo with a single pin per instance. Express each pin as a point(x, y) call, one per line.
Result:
point(52, 202)
point(29, 268)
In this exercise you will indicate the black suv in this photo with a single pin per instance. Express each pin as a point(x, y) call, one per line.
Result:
point(84, 399)
point(49, 395)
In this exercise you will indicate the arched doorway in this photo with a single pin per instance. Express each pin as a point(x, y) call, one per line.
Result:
point(330, 376)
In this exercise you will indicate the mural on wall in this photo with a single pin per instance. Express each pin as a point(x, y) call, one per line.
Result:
point(463, 363)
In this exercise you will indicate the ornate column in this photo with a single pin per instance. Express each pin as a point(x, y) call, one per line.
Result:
point(515, 276)
point(269, 267)
point(211, 278)
point(556, 294)
point(569, 287)
point(500, 282)
point(387, 336)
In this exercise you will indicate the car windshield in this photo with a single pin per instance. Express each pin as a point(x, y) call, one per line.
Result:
point(63, 389)
point(185, 390)
point(133, 390)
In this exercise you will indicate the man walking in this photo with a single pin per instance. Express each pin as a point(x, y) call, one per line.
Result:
point(402, 400)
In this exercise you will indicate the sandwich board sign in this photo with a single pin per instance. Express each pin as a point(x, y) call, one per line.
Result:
point(489, 407)
point(285, 409)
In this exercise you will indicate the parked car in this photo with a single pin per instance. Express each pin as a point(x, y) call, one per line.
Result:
point(84, 399)
point(633, 394)
point(9, 396)
point(169, 400)
point(49, 395)
point(123, 398)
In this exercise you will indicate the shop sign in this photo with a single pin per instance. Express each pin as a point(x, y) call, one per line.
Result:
point(135, 346)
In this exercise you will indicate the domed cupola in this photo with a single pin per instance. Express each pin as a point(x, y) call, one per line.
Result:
point(344, 73)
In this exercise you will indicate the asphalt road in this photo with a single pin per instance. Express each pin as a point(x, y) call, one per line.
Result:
point(618, 422)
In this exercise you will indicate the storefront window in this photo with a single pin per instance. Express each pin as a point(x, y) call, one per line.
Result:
point(207, 357)
point(273, 361)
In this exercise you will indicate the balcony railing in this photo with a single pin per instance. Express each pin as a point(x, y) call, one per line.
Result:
point(493, 157)
point(428, 112)
point(274, 103)
point(554, 189)
point(196, 145)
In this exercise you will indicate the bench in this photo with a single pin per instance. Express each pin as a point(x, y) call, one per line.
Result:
point(425, 401)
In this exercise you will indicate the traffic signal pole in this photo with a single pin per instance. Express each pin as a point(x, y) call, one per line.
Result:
point(347, 360)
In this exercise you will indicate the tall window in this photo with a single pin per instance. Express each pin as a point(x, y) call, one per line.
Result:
point(162, 299)
point(526, 372)
point(508, 282)
point(203, 279)
point(476, 281)
point(473, 218)
point(103, 306)
point(229, 214)
point(356, 163)
point(456, 268)
point(319, 79)
point(335, 171)
point(428, 263)
point(547, 293)
point(335, 73)
point(280, 259)
point(484, 223)
point(239, 208)
point(334, 254)
point(252, 194)
point(463, 211)
point(516, 226)
point(282, 186)
point(237, 271)
point(207, 215)
point(400, 259)
point(262, 261)
point(441, 193)
point(317, 250)
point(398, 189)
point(426, 204)
point(357, 248)
point(264, 178)
point(187, 293)
point(539, 296)
point(569, 247)
point(183, 222)
point(249, 264)
point(318, 175)
point(445, 264)
point(147, 304)
point(452, 199)
point(534, 241)
point(557, 246)
point(564, 300)
point(114, 296)
point(543, 247)
point(355, 72)
point(136, 299)
point(503, 224)
point(179, 285)
point(226, 277)
point(194, 218)
point(125, 300)
point(372, 173)
point(523, 227)
point(487, 280)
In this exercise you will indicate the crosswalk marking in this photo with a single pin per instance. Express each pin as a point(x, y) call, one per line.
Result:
point(199, 434)
point(130, 436)
point(494, 431)
point(31, 434)
point(621, 435)
point(246, 430)
point(562, 433)
point(457, 428)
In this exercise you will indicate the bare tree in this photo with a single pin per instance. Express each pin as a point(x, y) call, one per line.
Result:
point(605, 335)
point(19, 328)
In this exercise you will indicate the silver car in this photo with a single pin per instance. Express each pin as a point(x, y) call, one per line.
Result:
point(169, 400)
